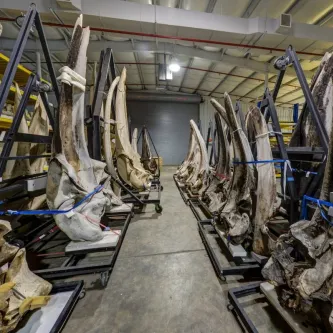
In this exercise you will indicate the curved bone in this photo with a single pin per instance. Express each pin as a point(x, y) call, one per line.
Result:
point(182, 171)
point(128, 164)
point(201, 165)
point(107, 142)
point(107, 127)
point(72, 174)
point(149, 163)
point(237, 208)
point(265, 179)
point(134, 142)
point(215, 193)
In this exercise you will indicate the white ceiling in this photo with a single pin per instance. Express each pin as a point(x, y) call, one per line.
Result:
point(204, 76)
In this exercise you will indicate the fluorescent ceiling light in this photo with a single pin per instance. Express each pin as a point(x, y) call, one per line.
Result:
point(174, 67)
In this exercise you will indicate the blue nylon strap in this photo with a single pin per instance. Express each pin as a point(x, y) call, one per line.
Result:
point(259, 162)
point(319, 203)
point(52, 212)
point(309, 172)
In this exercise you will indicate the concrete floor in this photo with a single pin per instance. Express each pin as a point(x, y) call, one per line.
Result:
point(163, 280)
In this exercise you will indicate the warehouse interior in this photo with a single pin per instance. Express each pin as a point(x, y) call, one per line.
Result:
point(166, 166)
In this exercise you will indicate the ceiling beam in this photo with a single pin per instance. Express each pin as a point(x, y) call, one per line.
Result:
point(190, 62)
point(295, 6)
point(251, 8)
point(137, 60)
point(211, 5)
point(163, 48)
point(242, 82)
point(211, 68)
point(143, 17)
point(221, 82)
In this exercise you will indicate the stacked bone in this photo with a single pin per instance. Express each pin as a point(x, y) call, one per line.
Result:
point(216, 191)
point(301, 265)
point(134, 142)
point(20, 289)
point(229, 186)
point(194, 171)
point(73, 175)
point(129, 165)
point(149, 163)
point(236, 209)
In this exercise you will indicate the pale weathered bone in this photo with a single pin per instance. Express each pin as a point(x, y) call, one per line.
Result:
point(129, 166)
point(200, 176)
point(148, 162)
point(107, 141)
point(107, 127)
point(236, 210)
point(72, 174)
point(215, 193)
point(134, 142)
point(265, 179)
point(20, 289)
point(183, 170)
point(194, 171)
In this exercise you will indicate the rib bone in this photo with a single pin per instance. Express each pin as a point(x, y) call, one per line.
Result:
point(128, 164)
point(237, 208)
point(72, 174)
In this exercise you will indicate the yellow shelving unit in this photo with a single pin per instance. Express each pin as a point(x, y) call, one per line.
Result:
point(21, 77)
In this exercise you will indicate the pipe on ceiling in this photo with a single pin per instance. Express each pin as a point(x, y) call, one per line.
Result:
point(252, 100)
point(138, 96)
point(187, 39)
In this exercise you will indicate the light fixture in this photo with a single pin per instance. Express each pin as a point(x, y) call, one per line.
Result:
point(174, 67)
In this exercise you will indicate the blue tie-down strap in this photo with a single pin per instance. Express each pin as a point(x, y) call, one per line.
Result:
point(306, 172)
point(320, 203)
point(52, 212)
point(259, 162)
point(288, 179)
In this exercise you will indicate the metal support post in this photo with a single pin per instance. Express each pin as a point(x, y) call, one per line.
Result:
point(10, 134)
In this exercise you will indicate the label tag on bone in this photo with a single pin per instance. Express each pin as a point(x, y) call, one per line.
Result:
point(70, 213)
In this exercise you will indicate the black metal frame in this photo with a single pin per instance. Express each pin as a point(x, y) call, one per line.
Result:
point(197, 205)
point(208, 134)
point(71, 268)
point(181, 190)
point(151, 140)
point(213, 149)
point(78, 293)
point(240, 265)
point(236, 308)
point(106, 74)
point(268, 109)
point(45, 233)
point(33, 84)
point(76, 287)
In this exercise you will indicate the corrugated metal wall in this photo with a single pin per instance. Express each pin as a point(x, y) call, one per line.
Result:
point(168, 124)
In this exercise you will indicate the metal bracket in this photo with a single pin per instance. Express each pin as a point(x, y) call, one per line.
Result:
point(41, 86)
point(281, 63)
